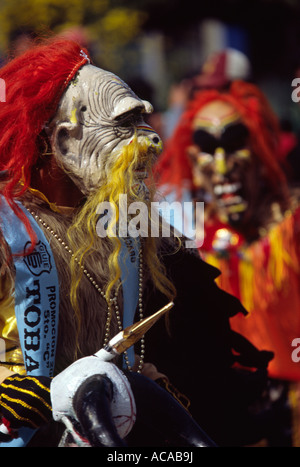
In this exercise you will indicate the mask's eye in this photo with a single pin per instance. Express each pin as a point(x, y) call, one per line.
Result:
point(206, 142)
point(129, 118)
point(235, 137)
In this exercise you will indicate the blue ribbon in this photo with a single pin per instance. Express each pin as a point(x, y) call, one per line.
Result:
point(36, 299)
point(129, 263)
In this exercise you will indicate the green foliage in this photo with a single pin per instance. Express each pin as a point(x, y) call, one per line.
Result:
point(109, 24)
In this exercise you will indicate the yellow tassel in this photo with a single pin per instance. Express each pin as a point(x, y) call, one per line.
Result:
point(263, 267)
point(294, 400)
point(41, 195)
point(282, 252)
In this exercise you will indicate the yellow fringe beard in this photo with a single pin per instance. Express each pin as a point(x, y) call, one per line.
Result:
point(120, 179)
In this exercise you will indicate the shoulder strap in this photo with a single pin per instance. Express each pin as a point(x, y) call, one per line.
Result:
point(36, 298)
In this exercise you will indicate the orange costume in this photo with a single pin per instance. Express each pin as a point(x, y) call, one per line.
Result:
point(225, 152)
point(265, 277)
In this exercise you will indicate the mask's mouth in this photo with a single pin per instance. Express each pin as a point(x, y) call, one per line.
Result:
point(229, 197)
point(141, 172)
point(144, 165)
point(226, 189)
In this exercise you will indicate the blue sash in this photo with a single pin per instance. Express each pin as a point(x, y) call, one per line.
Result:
point(129, 264)
point(36, 299)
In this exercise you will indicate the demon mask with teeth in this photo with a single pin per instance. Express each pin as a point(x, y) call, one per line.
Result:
point(224, 151)
point(221, 159)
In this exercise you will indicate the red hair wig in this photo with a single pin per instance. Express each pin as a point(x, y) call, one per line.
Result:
point(35, 82)
point(173, 167)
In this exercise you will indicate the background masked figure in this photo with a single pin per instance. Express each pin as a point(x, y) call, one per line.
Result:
point(225, 152)
point(72, 144)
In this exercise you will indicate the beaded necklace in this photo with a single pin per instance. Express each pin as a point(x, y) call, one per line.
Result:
point(112, 304)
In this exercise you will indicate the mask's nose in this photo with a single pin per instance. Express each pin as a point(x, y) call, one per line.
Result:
point(156, 140)
point(150, 136)
point(220, 161)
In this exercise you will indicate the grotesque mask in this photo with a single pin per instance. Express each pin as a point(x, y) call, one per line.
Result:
point(97, 115)
point(221, 159)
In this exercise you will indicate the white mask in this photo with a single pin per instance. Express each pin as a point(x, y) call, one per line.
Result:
point(97, 115)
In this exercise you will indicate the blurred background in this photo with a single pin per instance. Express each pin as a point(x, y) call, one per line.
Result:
point(161, 46)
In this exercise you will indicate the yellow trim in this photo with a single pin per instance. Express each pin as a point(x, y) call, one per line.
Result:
point(23, 404)
point(25, 391)
point(31, 378)
point(17, 416)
